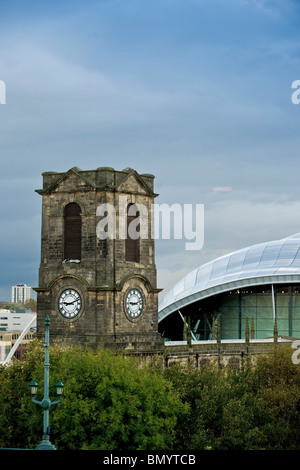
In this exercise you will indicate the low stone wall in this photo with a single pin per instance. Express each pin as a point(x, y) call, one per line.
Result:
point(223, 354)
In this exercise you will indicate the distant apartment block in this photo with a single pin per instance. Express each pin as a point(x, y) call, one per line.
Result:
point(20, 293)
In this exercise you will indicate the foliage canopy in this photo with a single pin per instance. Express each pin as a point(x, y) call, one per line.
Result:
point(111, 402)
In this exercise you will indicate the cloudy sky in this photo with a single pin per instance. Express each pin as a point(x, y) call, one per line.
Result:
point(196, 92)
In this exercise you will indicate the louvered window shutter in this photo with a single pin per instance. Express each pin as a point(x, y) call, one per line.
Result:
point(132, 245)
point(72, 231)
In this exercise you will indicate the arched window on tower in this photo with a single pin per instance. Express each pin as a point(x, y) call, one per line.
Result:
point(72, 232)
point(132, 245)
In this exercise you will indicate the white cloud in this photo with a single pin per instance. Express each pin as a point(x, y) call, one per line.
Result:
point(223, 189)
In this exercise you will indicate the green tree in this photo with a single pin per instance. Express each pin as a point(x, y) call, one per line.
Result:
point(109, 402)
point(30, 303)
point(252, 328)
point(219, 329)
point(279, 382)
point(20, 421)
point(13, 306)
point(247, 334)
point(251, 407)
point(204, 391)
point(115, 404)
point(213, 328)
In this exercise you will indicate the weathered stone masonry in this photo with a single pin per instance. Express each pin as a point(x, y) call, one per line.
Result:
point(102, 276)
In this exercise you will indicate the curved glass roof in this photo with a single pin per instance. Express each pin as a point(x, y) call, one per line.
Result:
point(265, 263)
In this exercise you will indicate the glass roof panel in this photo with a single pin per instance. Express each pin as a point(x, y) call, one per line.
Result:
point(266, 259)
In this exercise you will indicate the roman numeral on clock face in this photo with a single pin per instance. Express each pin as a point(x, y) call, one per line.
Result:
point(69, 303)
point(134, 303)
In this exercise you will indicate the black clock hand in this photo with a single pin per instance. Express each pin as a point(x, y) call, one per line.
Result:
point(69, 303)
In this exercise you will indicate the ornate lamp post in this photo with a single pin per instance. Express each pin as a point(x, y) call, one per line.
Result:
point(46, 403)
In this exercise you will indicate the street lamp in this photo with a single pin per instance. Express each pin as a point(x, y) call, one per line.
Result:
point(46, 403)
point(59, 388)
point(33, 388)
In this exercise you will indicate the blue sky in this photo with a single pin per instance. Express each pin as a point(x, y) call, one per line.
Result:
point(196, 92)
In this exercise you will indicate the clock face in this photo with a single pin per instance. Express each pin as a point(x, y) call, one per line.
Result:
point(134, 303)
point(69, 303)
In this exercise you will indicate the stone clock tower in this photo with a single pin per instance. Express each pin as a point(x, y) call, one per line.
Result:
point(97, 277)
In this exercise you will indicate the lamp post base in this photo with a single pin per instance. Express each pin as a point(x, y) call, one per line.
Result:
point(45, 445)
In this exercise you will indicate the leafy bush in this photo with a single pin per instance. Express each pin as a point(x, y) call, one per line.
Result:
point(247, 408)
point(109, 402)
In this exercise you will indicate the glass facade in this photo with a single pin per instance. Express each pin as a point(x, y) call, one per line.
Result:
point(257, 283)
point(255, 304)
